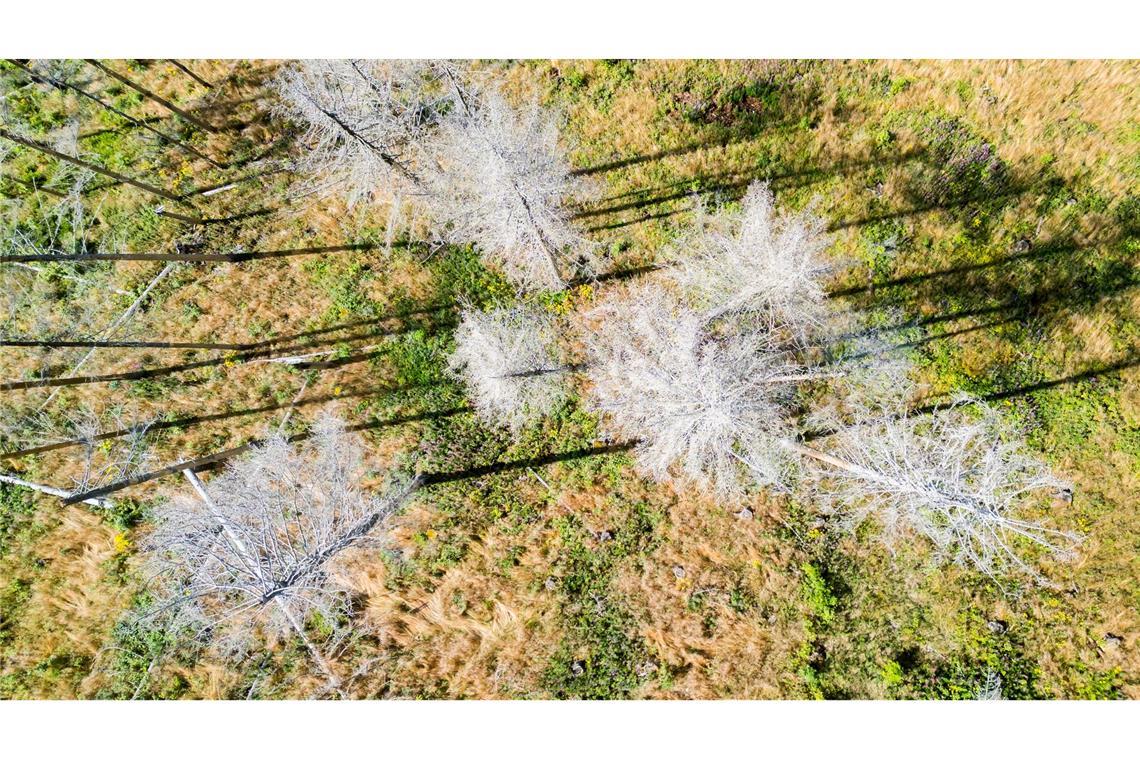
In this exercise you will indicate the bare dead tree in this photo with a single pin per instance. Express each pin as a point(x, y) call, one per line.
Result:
point(755, 261)
point(259, 547)
point(504, 183)
point(959, 477)
point(714, 407)
point(121, 320)
point(510, 360)
point(368, 124)
point(106, 460)
point(59, 300)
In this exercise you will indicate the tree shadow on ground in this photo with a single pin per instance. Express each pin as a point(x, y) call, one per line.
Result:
point(266, 351)
point(210, 461)
point(434, 478)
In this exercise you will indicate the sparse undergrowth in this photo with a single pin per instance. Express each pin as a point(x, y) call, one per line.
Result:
point(992, 226)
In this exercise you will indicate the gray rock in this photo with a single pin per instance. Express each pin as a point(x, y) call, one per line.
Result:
point(678, 571)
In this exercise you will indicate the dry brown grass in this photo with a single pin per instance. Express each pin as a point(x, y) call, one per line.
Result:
point(478, 630)
point(72, 601)
point(717, 649)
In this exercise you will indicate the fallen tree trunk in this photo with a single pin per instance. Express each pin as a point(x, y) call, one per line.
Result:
point(51, 491)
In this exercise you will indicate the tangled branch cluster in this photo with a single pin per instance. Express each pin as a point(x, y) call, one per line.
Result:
point(755, 261)
point(485, 172)
point(368, 123)
point(264, 542)
point(509, 360)
point(504, 184)
point(707, 404)
point(953, 477)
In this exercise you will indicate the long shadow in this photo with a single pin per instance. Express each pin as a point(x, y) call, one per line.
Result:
point(680, 150)
point(930, 338)
point(724, 135)
point(164, 137)
point(212, 460)
point(150, 120)
point(1045, 251)
point(197, 220)
point(32, 187)
point(188, 72)
point(204, 257)
point(267, 354)
point(925, 208)
point(615, 275)
point(638, 220)
point(375, 391)
point(403, 314)
point(1021, 390)
point(1024, 390)
point(732, 184)
point(249, 346)
point(433, 478)
point(152, 96)
point(790, 178)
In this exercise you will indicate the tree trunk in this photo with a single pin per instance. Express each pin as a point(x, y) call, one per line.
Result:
point(14, 481)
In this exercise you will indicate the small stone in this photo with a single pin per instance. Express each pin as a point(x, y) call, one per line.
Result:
point(646, 669)
point(550, 584)
point(745, 514)
point(605, 535)
point(1022, 246)
point(578, 667)
point(678, 571)
point(998, 626)
point(1112, 641)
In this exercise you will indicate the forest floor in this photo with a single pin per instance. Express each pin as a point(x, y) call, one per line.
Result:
point(987, 214)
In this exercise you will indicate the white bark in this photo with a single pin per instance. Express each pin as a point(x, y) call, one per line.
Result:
point(51, 491)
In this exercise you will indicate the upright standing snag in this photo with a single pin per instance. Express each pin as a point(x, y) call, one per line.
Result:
point(504, 183)
point(261, 542)
point(368, 124)
point(714, 405)
point(509, 360)
point(755, 261)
